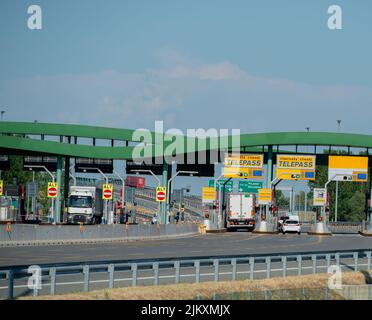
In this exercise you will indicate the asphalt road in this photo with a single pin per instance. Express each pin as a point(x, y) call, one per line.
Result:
point(237, 243)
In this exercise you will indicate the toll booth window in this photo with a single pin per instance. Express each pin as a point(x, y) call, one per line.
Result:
point(80, 202)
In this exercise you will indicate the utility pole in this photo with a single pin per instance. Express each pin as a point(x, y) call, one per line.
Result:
point(336, 200)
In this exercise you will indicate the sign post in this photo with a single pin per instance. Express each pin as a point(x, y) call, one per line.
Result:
point(107, 194)
point(161, 194)
point(320, 197)
point(209, 194)
point(264, 196)
point(107, 191)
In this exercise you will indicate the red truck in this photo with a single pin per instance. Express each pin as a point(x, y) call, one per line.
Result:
point(135, 182)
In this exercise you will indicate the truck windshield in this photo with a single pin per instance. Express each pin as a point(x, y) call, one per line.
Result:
point(80, 202)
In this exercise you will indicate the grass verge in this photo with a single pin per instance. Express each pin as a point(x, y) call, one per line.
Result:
point(188, 291)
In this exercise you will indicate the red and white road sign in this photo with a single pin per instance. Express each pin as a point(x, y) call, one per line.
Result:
point(52, 190)
point(107, 190)
point(161, 194)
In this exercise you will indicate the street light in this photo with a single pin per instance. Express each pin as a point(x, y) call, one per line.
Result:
point(2, 114)
point(53, 179)
point(336, 197)
point(154, 176)
point(168, 187)
point(123, 187)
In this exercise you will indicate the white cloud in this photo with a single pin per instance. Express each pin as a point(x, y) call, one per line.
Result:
point(187, 94)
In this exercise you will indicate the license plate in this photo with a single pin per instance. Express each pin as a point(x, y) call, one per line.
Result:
point(241, 222)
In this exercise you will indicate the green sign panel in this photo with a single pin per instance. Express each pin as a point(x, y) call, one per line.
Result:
point(249, 186)
point(228, 187)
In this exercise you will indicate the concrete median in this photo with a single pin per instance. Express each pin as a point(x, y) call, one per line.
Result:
point(18, 234)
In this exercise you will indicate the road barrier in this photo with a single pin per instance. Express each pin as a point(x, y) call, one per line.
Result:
point(337, 227)
point(207, 269)
point(19, 233)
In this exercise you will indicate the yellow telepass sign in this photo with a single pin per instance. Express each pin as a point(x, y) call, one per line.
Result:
point(348, 168)
point(244, 160)
point(246, 166)
point(264, 196)
point(209, 194)
point(295, 167)
point(1, 187)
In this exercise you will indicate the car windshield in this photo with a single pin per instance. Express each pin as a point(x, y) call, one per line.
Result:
point(80, 202)
point(291, 222)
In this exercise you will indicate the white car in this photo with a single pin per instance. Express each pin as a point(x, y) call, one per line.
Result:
point(291, 225)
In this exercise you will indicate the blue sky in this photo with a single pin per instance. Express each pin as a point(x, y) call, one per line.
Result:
point(257, 65)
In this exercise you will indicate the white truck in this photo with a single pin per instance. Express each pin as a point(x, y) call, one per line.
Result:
point(85, 205)
point(240, 211)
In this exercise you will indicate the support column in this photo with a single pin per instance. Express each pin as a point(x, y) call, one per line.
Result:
point(369, 228)
point(57, 209)
point(66, 184)
point(163, 205)
point(266, 226)
point(269, 176)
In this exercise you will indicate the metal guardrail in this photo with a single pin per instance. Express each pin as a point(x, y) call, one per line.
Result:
point(315, 260)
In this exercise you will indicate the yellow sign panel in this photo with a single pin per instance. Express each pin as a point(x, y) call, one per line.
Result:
point(161, 194)
point(1, 187)
point(107, 191)
point(209, 194)
point(246, 166)
point(348, 168)
point(52, 189)
point(244, 160)
point(264, 196)
point(347, 162)
point(294, 167)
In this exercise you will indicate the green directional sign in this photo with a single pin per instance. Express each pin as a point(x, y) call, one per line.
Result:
point(249, 186)
point(228, 187)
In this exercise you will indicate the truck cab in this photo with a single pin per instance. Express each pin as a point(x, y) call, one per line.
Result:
point(82, 205)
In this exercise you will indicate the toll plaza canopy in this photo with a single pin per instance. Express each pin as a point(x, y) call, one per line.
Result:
point(65, 141)
point(40, 138)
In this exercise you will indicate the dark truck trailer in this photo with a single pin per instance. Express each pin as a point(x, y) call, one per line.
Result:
point(240, 211)
point(135, 182)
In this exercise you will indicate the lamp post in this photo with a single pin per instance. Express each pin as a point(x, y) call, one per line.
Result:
point(219, 217)
point(154, 176)
point(168, 191)
point(53, 179)
point(123, 188)
point(336, 198)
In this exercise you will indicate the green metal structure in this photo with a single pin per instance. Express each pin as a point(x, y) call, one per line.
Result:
point(36, 139)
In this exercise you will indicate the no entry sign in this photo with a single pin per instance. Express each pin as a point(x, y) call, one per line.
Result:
point(52, 189)
point(161, 194)
point(107, 191)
